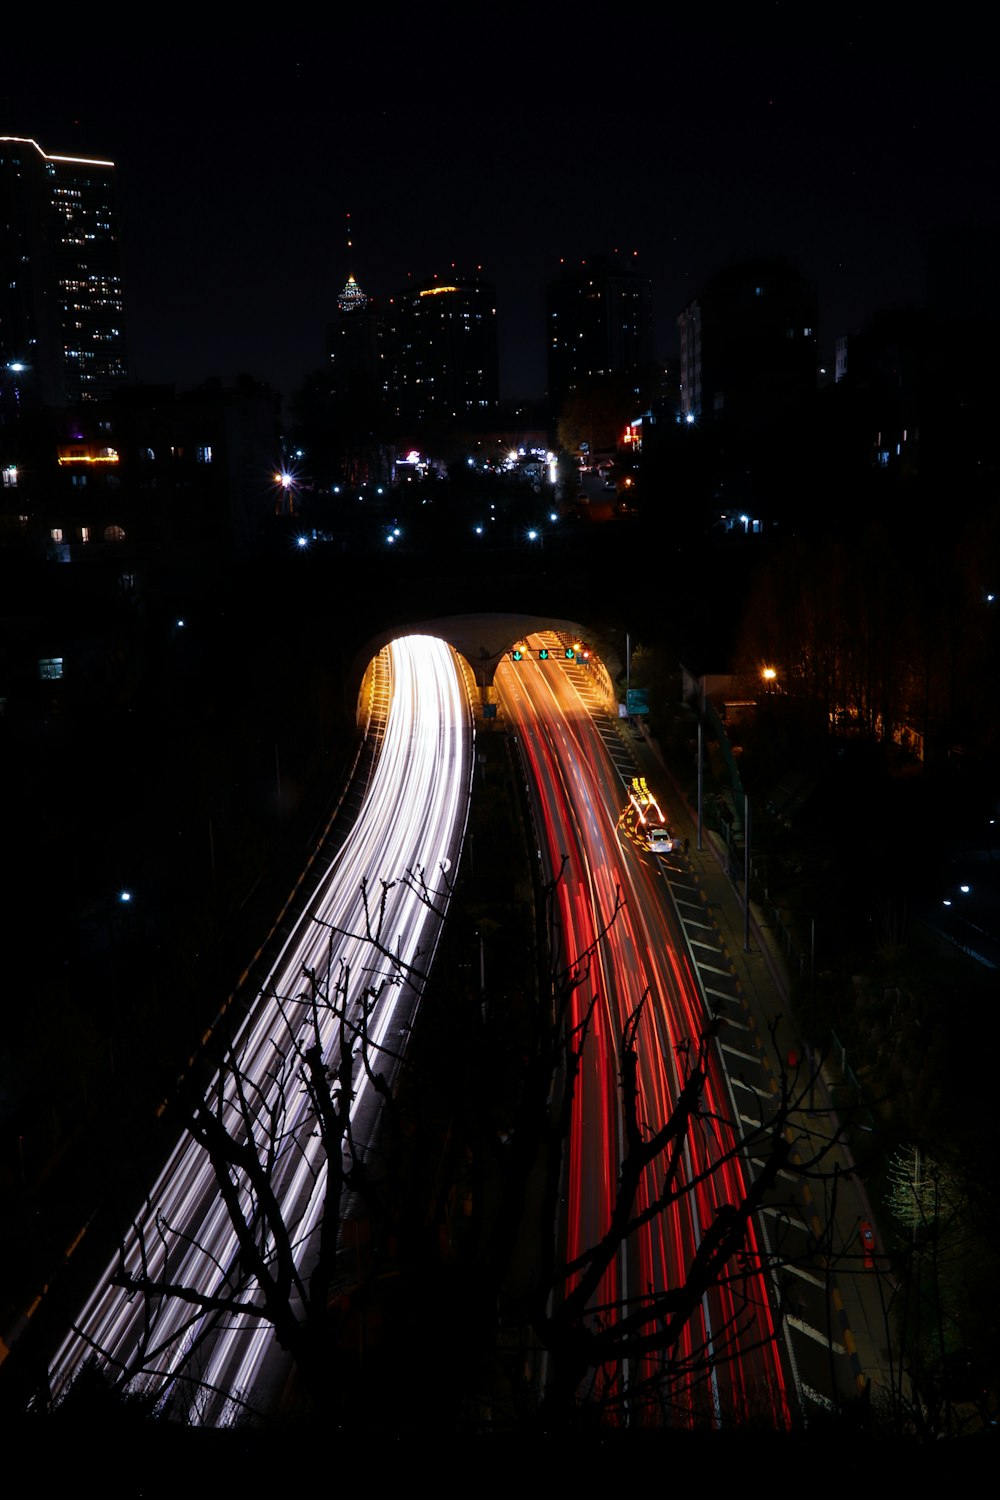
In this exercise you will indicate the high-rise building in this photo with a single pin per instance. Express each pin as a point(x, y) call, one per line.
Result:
point(748, 346)
point(356, 342)
point(444, 352)
point(599, 323)
point(62, 329)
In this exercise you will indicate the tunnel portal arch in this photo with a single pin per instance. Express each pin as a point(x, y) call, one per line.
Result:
point(481, 640)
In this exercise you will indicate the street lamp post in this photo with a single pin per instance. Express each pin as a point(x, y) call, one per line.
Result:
point(701, 762)
point(746, 873)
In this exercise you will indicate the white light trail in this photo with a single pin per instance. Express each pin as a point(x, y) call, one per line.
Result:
point(413, 819)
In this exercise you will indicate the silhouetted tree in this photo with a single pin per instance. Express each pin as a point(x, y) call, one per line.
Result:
point(254, 1139)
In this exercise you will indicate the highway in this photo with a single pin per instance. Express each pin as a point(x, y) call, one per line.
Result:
point(728, 1367)
point(413, 819)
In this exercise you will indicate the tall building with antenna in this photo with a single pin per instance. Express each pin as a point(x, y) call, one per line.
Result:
point(356, 339)
point(430, 359)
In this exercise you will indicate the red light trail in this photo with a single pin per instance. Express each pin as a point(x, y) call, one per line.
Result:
point(726, 1366)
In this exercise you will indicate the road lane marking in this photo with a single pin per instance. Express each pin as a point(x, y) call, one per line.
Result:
point(804, 1275)
point(751, 1088)
point(750, 1057)
point(815, 1334)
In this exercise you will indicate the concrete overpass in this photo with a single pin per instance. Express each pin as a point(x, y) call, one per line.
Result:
point(482, 640)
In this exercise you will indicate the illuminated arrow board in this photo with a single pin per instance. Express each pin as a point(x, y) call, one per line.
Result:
point(644, 822)
point(644, 802)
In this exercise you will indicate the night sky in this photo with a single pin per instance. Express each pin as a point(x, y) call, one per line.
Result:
point(487, 138)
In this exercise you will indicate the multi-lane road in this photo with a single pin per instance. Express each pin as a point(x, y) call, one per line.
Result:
point(613, 908)
point(728, 1365)
point(412, 820)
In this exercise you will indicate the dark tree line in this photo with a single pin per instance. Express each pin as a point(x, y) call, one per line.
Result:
point(885, 634)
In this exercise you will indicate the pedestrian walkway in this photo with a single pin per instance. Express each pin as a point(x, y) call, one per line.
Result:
point(834, 1203)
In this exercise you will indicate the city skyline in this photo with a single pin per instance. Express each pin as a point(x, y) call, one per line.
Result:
point(685, 153)
point(793, 602)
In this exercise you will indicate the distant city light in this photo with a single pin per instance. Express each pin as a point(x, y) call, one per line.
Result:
point(301, 541)
point(125, 897)
point(73, 456)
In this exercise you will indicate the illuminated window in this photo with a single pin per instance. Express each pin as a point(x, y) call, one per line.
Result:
point(56, 534)
point(204, 453)
point(50, 668)
point(10, 477)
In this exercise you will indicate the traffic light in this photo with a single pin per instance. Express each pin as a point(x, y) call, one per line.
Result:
point(543, 654)
point(570, 653)
point(517, 654)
